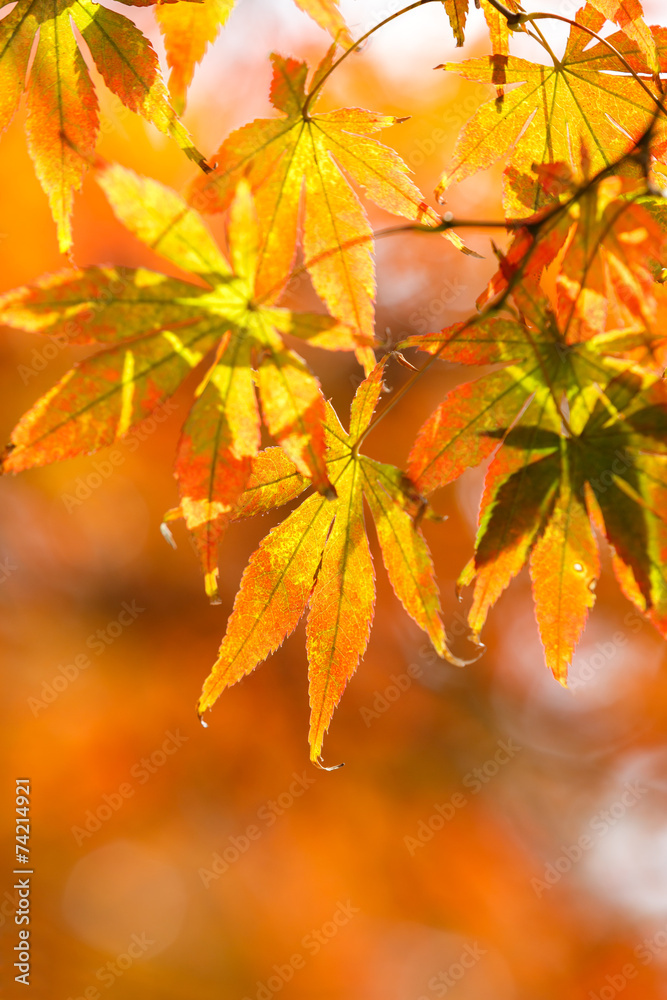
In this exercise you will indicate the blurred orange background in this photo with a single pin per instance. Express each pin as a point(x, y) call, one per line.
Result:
point(491, 835)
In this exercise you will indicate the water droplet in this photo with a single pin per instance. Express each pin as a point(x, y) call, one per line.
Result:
point(448, 216)
point(201, 719)
point(334, 767)
point(579, 568)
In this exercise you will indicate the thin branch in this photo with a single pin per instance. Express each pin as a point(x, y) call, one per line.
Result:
point(534, 226)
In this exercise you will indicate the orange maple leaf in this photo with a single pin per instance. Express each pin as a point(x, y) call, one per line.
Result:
point(283, 156)
point(319, 559)
point(63, 123)
point(586, 99)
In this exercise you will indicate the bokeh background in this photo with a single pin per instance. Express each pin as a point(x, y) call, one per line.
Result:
point(491, 835)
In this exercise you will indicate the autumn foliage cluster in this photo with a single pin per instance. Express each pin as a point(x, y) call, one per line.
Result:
point(570, 410)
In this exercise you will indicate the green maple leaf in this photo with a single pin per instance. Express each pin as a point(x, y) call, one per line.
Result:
point(157, 329)
point(559, 415)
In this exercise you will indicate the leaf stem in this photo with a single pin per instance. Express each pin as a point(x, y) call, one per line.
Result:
point(545, 45)
point(360, 41)
point(405, 388)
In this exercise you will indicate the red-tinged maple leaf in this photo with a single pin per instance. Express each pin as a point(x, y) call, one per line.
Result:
point(608, 259)
point(189, 28)
point(311, 153)
point(609, 243)
point(557, 416)
point(629, 16)
point(157, 330)
point(552, 113)
point(564, 569)
point(638, 52)
point(63, 124)
point(319, 559)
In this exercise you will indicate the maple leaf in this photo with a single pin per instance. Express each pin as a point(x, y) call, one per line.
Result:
point(283, 156)
point(189, 28)
point(326, 14)
point(457, 12)
point(609, 243)
point(637, 49)
point(318, 559)
point(552, 113)
point(629, 16)
point(605, 279)
point(63, 123)
point(624, 463)
point(543, 455)
point(158, 330)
